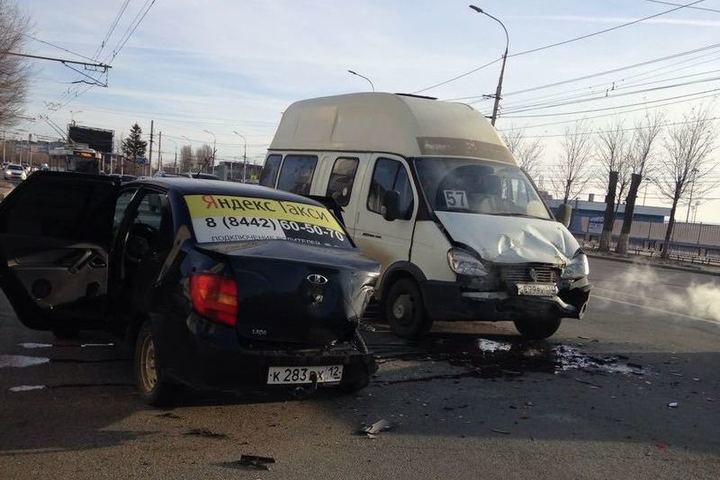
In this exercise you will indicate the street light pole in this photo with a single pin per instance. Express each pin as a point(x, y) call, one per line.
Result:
point(214, 149)
point(498, 90)
point(244, 154)
point(372, 85)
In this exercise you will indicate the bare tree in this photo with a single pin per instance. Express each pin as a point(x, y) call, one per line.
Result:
point(612, 147)
point(687, 159)
point(203, 157)
point(573, 172)
point(527, 152)
point(647, 132)
point(13, 69)
point(186, 158)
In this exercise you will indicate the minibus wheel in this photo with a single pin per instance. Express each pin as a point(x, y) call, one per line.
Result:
point(538, 328)
point(405, 311)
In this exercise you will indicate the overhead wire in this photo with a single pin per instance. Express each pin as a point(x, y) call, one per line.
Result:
point(112, 28)
point(545, 106)
point(564, 42)
point(617, 84)
point(621, 106)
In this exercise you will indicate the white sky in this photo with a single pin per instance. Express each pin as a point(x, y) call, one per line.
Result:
point(228, 65)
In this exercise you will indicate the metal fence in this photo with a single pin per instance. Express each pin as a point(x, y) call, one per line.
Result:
point(690, 242)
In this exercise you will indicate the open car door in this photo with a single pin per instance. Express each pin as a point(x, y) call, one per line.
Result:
point(55, 234)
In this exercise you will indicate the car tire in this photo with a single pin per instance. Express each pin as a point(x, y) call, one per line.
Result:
point(149, 376)
point(538, 328)
point(405, 311)
point(66, 333)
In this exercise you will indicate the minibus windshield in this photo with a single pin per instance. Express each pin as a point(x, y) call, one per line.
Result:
point(468, 185)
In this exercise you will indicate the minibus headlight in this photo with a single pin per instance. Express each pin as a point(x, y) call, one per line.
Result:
point(578, 267)
point(463, 262)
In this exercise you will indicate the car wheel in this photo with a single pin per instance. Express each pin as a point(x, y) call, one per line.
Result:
point(149, 377)
point(404, 310)
point(538, 328)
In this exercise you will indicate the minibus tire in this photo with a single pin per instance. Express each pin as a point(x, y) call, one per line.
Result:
point(405, 310)
point(538, 328)
point(152, 386)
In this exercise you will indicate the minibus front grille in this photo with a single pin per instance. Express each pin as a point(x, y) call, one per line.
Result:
point(512, 274)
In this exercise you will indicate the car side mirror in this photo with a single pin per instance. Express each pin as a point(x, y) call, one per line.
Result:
point(564, 214)
point(391, 205)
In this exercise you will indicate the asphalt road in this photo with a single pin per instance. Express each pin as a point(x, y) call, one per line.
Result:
point(594, 402)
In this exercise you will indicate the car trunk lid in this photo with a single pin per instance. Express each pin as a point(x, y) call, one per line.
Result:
point(297, 294)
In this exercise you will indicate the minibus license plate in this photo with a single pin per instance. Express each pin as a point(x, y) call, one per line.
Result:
point(537, 289)
point(294, 375)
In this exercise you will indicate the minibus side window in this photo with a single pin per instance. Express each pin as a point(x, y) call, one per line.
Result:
point(297, 173)
point(341, 180)
point(390, 175)
point(270, 171)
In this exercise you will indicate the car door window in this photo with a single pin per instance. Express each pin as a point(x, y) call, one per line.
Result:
point(121, 205)
point(270, 170)
point(341, 180)
point(390, 175)
point(296, 174)
point(153, 220)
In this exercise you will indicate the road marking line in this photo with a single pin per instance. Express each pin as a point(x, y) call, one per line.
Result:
point(661, 310)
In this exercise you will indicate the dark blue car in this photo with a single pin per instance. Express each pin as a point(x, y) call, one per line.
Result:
point(215, 283)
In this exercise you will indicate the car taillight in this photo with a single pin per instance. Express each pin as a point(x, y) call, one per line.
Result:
point(215, 297)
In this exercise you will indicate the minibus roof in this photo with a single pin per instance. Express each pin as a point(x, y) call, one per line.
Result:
point(406, 125)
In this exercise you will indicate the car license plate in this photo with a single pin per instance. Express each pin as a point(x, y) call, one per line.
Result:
point(294, 375)
point(537, 289)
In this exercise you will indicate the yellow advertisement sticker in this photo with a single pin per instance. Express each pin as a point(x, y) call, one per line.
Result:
point(202, 206)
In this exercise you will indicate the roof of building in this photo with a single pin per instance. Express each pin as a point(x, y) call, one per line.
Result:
point(387, 122)
point(600, 207)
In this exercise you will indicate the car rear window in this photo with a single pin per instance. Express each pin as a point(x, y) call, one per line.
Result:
point(225, 218)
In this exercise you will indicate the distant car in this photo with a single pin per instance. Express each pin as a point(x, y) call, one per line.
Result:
point(215, 283)
point(15, 172)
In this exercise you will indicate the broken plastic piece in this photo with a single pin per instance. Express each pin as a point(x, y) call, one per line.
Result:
point(377, 427)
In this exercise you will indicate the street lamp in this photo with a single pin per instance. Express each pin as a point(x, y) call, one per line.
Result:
point(498, 90)
point(214, 149)
point(244, 154)
point(372, 85)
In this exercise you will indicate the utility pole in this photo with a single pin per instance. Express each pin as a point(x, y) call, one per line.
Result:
point(152, 126)
point(176, 170)
point(29, 150)
point(245, 147)
point(3, 146)
point(498, 90)
point(692, 187)
point(159, 151)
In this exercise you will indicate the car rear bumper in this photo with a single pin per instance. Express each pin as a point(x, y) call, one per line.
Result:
point(206, 355)
point(448, 301)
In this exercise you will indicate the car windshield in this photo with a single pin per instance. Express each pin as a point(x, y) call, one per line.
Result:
point(475, 186)
point(14, 167)
point(226, 219)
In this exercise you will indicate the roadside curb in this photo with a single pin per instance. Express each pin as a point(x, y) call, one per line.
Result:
point(654, 265)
